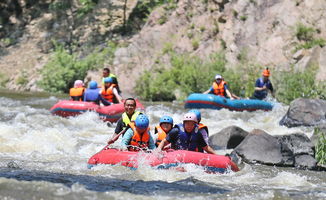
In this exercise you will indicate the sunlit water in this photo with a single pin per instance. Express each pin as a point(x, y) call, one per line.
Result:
point(45, 157)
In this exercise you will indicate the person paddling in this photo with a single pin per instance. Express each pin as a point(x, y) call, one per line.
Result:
point(262, 86)
point(166, 124)
point(138, 136)
point(129, 115)
point(109, 91)
point(106, 73)
point(220, 88)
point(187, 136)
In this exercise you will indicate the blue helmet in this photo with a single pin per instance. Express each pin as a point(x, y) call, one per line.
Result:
point(93, 85)
point(108, 80)
point(142, 121)
point(166, 119)
point(197, 113)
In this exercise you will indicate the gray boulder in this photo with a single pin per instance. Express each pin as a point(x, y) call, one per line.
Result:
point(263, 148)
point(305, 112)
point(302, 149)
point(305, 162)
point(297, 143)
point(228, 138)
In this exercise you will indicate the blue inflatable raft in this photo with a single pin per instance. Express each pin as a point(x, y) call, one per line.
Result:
point(210, 101)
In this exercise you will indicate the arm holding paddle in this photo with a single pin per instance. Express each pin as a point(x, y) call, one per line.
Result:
point(115, 136)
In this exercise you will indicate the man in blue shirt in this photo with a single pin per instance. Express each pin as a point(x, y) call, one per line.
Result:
point(262, 85)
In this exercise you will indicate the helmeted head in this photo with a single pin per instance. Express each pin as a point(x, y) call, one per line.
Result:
point(266, 72)
point(93, 85)
point(166, 119)
point(189, 121)
point(78, 84)
point(142, 122)
point(166, 123)
point(197, 113)
point(190, 116)
point(218, 77)
point(108, 80)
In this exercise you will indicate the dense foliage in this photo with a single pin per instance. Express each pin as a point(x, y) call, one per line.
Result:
point(292, 85)
point(321, 147)
point(306, 35)
point(187, 74)
point(59, 74)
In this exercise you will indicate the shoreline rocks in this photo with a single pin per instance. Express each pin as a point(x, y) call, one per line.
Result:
point(293, 150)
point(305, 112)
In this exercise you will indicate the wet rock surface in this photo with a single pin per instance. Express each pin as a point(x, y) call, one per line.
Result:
point(305, 112)
point(228, 138)
point(257, 146)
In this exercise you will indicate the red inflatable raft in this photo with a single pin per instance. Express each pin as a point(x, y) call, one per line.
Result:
point(165, 160)
point(112, 113)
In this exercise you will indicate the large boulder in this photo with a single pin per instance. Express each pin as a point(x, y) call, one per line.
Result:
point(263, 148)
point(305, 112)
point(305, 162)
point(227, 138)
point(297, 143)
point(295, 150)
point(302, 149)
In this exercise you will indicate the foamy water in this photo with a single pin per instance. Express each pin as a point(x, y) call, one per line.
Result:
point(48, 159)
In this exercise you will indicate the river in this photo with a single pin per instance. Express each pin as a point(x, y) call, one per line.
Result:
point(45, 157)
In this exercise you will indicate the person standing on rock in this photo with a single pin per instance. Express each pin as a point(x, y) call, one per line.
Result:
point(262, 86)
point(220, 88)
point(108, 74)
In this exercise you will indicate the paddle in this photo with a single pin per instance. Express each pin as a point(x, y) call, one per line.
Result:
point(115, 138)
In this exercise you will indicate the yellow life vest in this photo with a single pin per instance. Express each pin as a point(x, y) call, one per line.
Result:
point(126, 120)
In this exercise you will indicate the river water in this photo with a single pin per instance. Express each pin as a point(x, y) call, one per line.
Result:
point(45, 157)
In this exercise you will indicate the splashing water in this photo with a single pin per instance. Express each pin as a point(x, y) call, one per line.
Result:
point(48, 156)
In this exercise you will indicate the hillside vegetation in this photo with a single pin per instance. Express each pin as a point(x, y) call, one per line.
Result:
point(164, 49)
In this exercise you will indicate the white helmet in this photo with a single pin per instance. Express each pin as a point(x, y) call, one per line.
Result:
point(190, 116)
point(78, 83)
point(217, 76)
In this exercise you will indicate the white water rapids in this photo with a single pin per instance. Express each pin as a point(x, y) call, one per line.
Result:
point(45, 157)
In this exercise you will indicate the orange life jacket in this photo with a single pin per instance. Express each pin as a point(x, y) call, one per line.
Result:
point(219, 89)
point(139, 140)
point(160, 134)
point(108, 93)
point(76, 93)
point(201, 126)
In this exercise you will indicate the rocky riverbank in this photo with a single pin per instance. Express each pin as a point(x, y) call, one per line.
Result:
point(254, 32)
point(294, 150)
